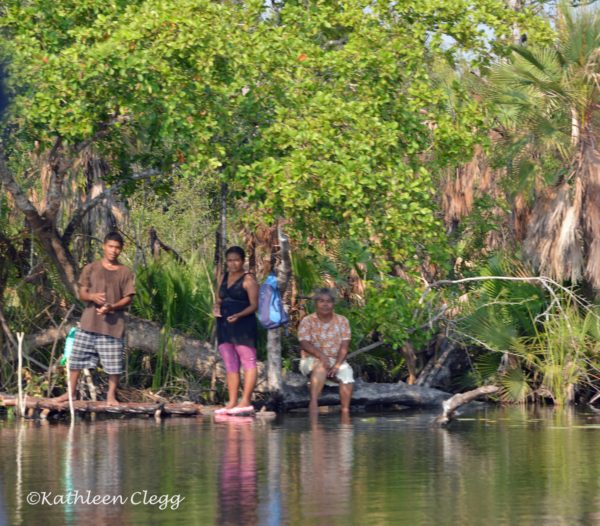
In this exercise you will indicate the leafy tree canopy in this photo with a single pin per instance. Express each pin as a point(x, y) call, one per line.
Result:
point(330, 114)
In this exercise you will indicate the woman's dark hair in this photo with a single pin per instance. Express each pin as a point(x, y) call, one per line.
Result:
point(114, 236)
point(236, 250)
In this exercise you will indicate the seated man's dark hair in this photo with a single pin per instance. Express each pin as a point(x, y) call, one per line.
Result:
point(114, 236)
point(324, 292)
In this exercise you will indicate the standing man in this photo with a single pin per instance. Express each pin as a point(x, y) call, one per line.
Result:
point(324, 339)
point(107, 287)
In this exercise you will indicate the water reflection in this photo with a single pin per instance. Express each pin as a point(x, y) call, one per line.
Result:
point(273, 508)
point(92, 469)
point(326, 461)
point(19, 484)
point(3, 507)
point(237, 500)
point(514, 466)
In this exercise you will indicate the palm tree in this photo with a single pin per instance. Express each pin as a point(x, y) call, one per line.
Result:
point(548, 103)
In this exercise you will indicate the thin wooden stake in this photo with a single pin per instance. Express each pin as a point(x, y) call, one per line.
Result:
point(20, 337)
point(71, 408)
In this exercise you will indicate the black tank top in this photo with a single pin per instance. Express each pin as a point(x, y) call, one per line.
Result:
point(235, 299)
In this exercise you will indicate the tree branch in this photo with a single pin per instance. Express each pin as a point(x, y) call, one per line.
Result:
point(82, 211)
point(452, 404)
point(21, 200)
point(365, 349)
point(156, 245)
point(43, 228)
point(6, 330)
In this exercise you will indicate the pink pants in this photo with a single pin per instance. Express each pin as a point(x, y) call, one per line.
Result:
point(233, 354)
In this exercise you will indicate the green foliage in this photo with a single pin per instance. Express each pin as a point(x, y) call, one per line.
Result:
point(535, 342)
point(472, 235)
point(500, 310)
point(325, 113)
point(306, 274)
point(184, 219)
point(563, 352)
point(545, 98)
point(336, 116)
point(515, 385)
point(391, 304)
point(178, 295)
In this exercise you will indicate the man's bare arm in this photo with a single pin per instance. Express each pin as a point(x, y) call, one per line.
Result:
point(99, 298)
point(305, 345)
point(119, 305)
point(341, 356)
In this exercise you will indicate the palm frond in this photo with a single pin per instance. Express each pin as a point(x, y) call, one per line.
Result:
point(515, 386)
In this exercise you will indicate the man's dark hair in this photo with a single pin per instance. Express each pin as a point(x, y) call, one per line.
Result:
point(324, 292)
point(114, 236)
point(236, 250)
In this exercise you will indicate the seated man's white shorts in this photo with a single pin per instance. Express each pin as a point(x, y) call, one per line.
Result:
point(344, 374)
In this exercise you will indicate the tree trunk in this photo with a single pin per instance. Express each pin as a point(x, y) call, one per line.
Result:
point(157, 246)
point(101, 219)
point(410, 358)
point(589, 172)
point(516, 6)
point(44, 229)
point(283, 269)
point(221, 233)
point(450, 362)
point(274, 378)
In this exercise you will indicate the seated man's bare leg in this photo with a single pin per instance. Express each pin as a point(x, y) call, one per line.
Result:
point(317, 380)
point(74, 376)
point(345, 396)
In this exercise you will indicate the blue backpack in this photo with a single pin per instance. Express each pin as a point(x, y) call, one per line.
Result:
point(271, 313)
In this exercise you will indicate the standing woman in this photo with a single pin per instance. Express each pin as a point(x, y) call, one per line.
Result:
point(236, 303)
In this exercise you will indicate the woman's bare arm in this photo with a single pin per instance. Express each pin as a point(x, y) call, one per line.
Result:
point(251, 286)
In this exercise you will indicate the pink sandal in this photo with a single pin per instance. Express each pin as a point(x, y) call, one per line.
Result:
point(222, 411)
point(241, 411)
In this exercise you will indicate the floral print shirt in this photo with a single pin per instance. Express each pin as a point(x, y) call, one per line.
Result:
point(327, 337)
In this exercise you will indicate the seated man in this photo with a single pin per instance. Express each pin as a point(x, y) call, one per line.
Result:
point(324, 339)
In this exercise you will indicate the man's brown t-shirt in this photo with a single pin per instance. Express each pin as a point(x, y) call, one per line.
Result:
point(116, 284)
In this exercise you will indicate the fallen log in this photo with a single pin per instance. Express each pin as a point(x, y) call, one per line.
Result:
point(85, 406)
point(452, 404)
point(295, 395)
point(145, 335)
point(202, 358)
point(199, 356)
point(365, 394)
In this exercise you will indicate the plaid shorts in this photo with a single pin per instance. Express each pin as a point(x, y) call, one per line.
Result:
point(89, 346)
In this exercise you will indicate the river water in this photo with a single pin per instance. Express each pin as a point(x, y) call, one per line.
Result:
point(496, 466)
